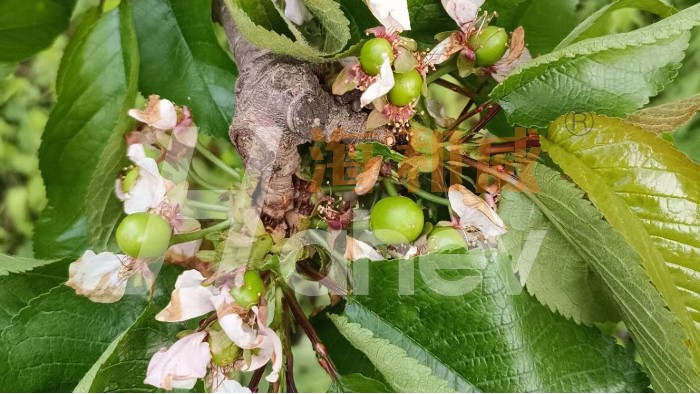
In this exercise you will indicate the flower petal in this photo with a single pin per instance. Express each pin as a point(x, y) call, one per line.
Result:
point(462, 11)
point(160, 114)
point(240, 333)
point(181, 365)
point(369, 175)
point(221, 384)
point(473, 211)
point(189, 300)
point(149, 189)
point(97, 277)
point(392, 14)
point(356, 250)
point(381, 86)
point(445, 49)
point(296, 12)
point(502, 69)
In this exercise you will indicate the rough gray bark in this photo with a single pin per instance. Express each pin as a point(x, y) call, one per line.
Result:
point(279, 103)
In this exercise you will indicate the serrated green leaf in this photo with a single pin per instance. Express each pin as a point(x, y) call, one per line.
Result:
point(181, 60)
point(265, 38)
point(551, 269)
point(17, 265)
point(666, 117)
point(103, 209)
point(55, 340)
point(404, 373)
point(635, 66)
point(97, 86)
point(17, 290)
point(356, 383)
point(491, 337)
point(587, 28)
point(360, 18)
point(648, 191)
point(655, 330)
point(334, 23)
point(27, 27)
point(347, 359)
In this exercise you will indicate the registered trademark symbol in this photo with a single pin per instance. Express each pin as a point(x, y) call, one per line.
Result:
point(579, 122)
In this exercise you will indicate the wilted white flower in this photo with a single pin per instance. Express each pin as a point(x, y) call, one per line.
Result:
point(159, 114)
point(392, 14)
point(473, 211)
point(220, 383)
point(382, 86)
point(180, 366)
point(149, 189)
point(189, 299)
point(503, 68)
point(356, 250)
point(101, 277)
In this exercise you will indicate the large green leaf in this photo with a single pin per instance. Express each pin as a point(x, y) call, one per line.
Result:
point(612, 75)
point(181, 60)
point(656, 332)
point(546, 22)
point(16, 265)
point(97, 86)
point(17, 290)
point(53, 341)
point(247, 14)
point(490, 338)
point(649, 192)
point(551, 269)
point(356, 383)
point(589, 27)
point(26, 27)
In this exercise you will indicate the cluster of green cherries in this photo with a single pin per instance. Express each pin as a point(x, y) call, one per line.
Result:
point(399, 220)
point(146, 235)
point(407, 85)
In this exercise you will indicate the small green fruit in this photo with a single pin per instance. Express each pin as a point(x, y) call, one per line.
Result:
point(407, 87)
point(444, 238)
point(144, 235)
point(396, 220)
point(489, 45)
point(129, 179)
point(250, 292)
point(373, 53)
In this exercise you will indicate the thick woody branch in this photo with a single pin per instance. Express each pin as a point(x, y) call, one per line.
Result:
point(280, 104)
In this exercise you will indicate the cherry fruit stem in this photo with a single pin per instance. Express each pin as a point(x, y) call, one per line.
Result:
point(304, 323)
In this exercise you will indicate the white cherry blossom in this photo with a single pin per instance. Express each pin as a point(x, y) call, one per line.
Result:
point(99, 277)
point(180, 366)
point(189, 299)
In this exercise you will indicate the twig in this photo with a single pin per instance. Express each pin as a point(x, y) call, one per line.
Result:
point(494, 109)
point(455, 88)
point(255, 379)
point(195, 235)
point(304, 323)
point(324, 280)
point(508, 178)
point(289, 373)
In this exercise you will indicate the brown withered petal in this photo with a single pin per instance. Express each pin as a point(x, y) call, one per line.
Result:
point(369, 175)
point(517, 45)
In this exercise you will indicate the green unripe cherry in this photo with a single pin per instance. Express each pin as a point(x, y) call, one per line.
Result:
point(373, 53)
point(144, 235)
point(407, 87)
point(129, 179)
point(443, 238)
point(223, 351)
point(250, 292)
point(489, 45)
point(396, 220)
